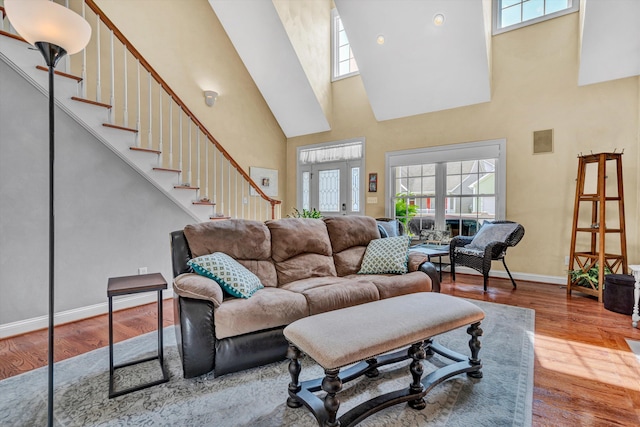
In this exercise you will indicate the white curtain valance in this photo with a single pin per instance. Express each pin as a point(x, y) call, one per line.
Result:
point(333, 153)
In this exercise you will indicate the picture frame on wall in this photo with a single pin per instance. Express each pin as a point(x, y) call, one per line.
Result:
point(265, 179)
point(373, 182)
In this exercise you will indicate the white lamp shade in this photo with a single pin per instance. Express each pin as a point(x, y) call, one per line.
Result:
point(46, 21)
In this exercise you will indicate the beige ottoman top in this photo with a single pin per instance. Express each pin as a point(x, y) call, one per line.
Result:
point(349, 335)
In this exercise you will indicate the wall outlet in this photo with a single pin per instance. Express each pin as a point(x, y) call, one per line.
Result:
point(245, 201)
point(142, 270)
point(566, 260)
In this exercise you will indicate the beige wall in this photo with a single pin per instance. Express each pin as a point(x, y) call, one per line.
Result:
point(534, 87)
point(186, 44)
point(307, 24)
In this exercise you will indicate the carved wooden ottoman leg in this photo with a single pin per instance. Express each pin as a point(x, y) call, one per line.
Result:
point(293, 354)
point(427, 347)
point(474, 344)
point(372, 372)
point(417, 353)
point(332, 384)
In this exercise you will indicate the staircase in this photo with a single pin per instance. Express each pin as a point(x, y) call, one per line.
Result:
point(137, 115)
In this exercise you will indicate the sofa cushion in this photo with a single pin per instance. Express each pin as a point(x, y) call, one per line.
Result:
point(393, 285)
point(243, 240)
point(331, 293)
point(388, 255)
point(300, 248)
point(234, 278)
point(267, 308)
point(348, 231)
point(304, 266)
point(350, 236)
point(349, 260)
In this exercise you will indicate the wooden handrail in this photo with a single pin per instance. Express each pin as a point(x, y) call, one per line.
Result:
point(92, 5)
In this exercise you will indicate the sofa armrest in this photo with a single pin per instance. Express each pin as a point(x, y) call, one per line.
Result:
point(195, 335)
point(191, 285)
point(430, 270)
point(419, 262)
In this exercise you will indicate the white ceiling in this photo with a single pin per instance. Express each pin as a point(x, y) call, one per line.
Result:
point(610, 47)
point(421, 67)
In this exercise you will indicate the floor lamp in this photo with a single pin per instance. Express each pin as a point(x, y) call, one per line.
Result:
point(55, 31)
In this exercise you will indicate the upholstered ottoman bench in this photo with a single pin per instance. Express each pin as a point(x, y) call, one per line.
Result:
point(365, 335)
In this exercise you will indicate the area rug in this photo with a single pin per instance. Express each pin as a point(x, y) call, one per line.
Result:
point(257, 397)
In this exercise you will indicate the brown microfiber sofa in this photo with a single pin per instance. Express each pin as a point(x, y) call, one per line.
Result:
point(307, 266)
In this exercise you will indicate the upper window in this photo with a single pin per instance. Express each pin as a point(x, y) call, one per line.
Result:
point(511, 14)
point(343, 62)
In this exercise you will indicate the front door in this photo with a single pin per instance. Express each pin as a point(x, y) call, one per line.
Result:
point(334, 188)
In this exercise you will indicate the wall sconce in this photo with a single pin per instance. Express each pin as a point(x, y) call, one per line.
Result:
point(438, 19)
point(210, 97)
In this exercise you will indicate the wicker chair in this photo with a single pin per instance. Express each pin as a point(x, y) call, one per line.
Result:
point(480, 258)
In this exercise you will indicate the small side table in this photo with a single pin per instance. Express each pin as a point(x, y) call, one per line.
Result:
point(131, 285)
point(433, 251)
point(635, 317)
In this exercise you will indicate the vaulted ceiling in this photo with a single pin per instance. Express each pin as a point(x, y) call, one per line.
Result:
point(421, 67)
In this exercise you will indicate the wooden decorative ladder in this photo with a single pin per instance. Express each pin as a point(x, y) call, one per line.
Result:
point(596, 236)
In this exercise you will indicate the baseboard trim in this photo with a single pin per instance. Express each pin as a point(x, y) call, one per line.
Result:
point(119, 303)
point(528, 277)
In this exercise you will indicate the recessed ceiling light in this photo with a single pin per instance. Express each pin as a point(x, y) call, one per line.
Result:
point(380, 39)
point(438, 19)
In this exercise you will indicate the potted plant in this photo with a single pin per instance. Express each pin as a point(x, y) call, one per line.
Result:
point(313, 213)
point(587, 278)
point(405, 211)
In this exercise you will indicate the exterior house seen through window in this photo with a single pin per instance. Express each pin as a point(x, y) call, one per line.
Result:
point(452, 189)
point(512, 14)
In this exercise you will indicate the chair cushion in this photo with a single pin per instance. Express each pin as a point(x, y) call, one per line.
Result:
point(389, 228)
point(386, 255)
point(228, 273)
point(489, 233)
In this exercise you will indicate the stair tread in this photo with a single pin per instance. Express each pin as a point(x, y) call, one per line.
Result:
point(109, 125)
point(219, 217)
point(145, 150)
point(60, 73)
point(167, 170)
point(89, 101)
point(205, 203)
point(185, 187)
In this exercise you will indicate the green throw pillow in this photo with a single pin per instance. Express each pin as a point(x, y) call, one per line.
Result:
point(232, 276)
point(387, 255)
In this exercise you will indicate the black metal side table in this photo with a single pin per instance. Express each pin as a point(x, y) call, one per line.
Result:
point(131, 285)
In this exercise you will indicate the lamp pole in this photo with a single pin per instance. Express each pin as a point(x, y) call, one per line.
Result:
point(52, 54)
point(55, 31)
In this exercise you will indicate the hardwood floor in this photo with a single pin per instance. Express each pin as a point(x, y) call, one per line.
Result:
point(584, 372)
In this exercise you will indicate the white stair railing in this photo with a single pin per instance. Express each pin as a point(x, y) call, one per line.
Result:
point(186, 147)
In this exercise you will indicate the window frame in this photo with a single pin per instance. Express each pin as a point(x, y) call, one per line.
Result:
point(469, 151)
point(335, 48)
point(496, 16)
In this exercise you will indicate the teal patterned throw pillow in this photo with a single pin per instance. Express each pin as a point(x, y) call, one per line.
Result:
point(232, 276)
point(387, 255)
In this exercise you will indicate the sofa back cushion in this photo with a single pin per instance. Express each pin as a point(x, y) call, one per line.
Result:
point(300, 249)
point(350, 236)
point(248, 242)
